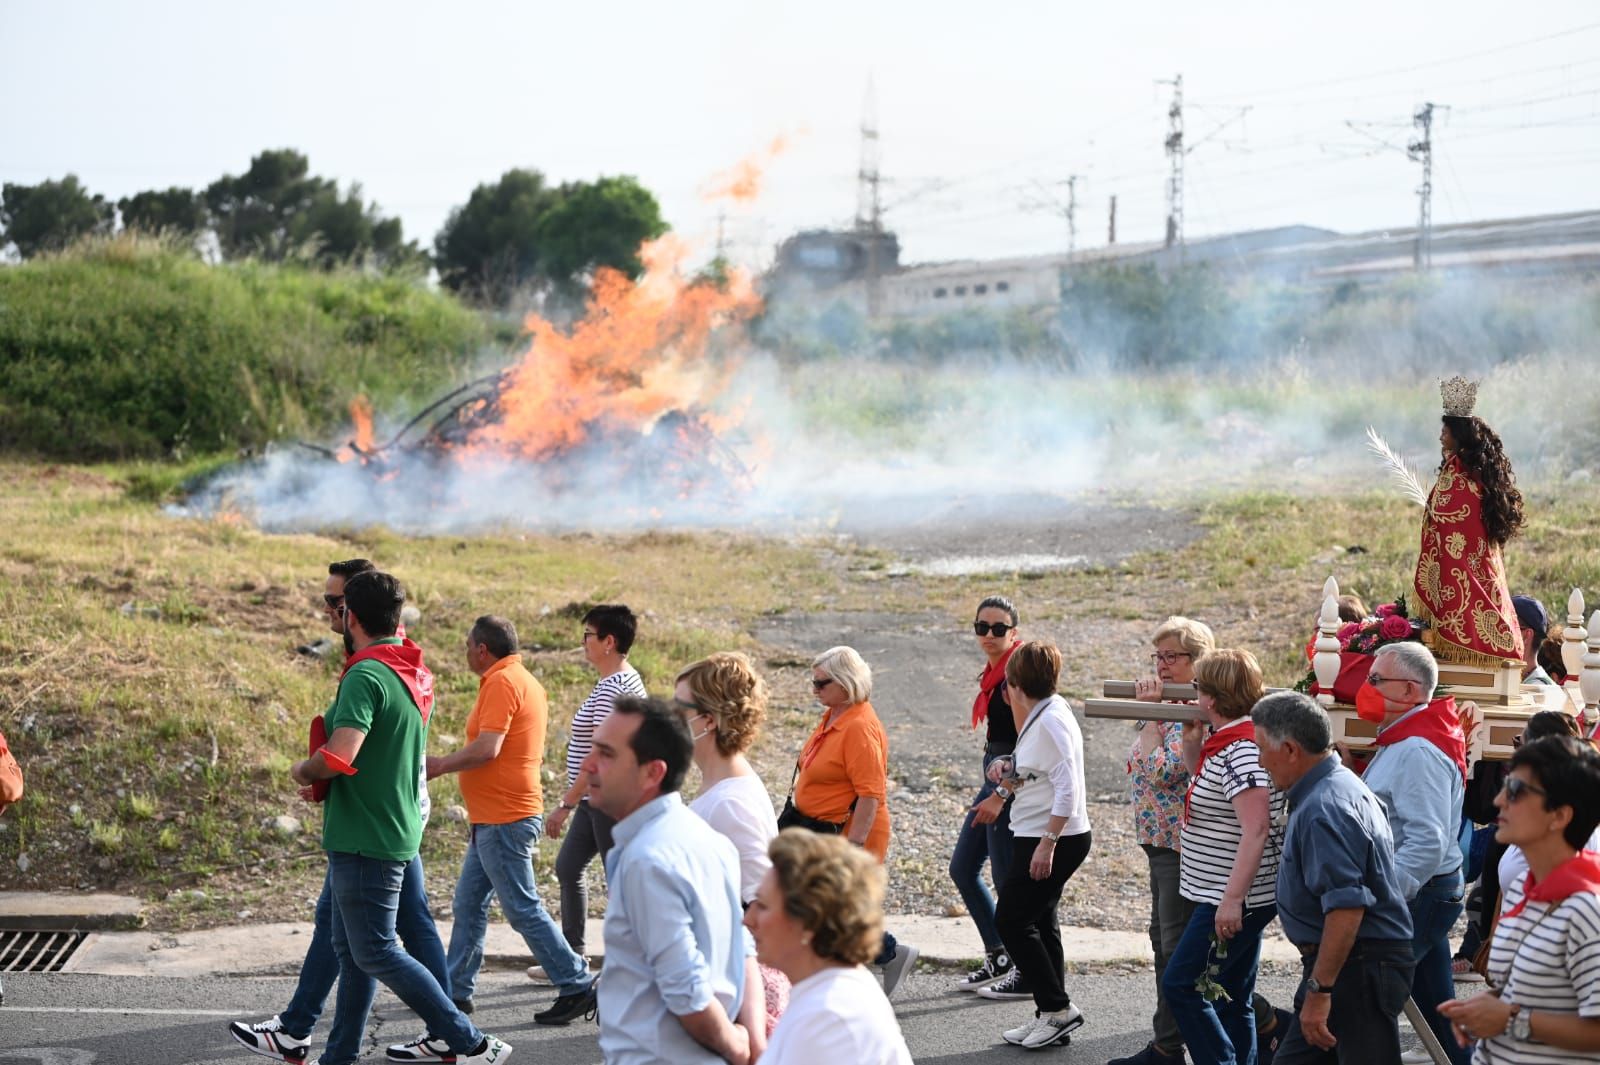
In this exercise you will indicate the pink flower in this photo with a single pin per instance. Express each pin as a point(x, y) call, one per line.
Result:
point(1387, 610)
point(1347, 630)
point(1395, 627)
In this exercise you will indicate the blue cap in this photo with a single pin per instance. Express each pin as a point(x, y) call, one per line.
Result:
point(1531, 614)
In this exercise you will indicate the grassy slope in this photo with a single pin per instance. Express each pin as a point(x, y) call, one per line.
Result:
point(155, 746)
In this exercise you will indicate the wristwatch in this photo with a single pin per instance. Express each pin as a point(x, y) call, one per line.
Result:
point(1053, 837)
point(1521, 1026)
point(1002, 791)
point(1316, 987)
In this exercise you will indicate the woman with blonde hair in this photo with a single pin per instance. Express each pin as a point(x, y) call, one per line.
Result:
point(841, 781)
point(1229, 864)
point(724, 702)
point(818, 918)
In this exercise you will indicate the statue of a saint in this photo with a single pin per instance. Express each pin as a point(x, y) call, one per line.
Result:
point(1473, 510)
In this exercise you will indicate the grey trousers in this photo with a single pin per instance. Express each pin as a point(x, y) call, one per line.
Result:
point(588, 834)
point(1169, 916)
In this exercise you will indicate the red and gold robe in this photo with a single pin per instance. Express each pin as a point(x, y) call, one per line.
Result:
point(1461, 577)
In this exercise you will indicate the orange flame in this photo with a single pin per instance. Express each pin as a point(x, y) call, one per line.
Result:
point(641, 350)
point(361, 444)
point(741, 182)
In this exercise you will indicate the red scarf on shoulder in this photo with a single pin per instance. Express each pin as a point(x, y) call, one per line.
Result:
point(1219, 740)
point(405, 659)
point(1439, 724)
point(993, 677)
point(1574, 876)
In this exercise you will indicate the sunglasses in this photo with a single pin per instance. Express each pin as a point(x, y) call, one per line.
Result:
point(1515, 788)
point(334, 601)
point(820, 683)
point(1168, 658)
point(999, 628)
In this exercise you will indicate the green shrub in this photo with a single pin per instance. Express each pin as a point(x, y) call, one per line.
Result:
point(130, 347)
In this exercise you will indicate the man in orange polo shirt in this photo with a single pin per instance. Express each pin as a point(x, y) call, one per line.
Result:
point(499, 770)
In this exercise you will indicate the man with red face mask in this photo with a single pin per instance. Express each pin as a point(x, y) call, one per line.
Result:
point(1419, 775)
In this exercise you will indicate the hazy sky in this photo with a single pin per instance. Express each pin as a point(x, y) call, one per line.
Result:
point(983, 108)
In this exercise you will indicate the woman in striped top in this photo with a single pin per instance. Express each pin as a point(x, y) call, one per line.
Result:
point(1229, 865)
point(1544, 964)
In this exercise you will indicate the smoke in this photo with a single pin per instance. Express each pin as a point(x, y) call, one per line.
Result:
point(845, 427)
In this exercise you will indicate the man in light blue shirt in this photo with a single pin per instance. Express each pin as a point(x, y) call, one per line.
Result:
point(674, 936)
point(1421, 787)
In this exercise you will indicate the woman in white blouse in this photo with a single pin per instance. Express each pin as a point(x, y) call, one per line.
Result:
point(724, 702)
point(818, 917)
point(1543, 1002)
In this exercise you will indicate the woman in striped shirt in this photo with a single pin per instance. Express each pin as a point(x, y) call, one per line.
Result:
point(1543, 1005)
point(1229, 865)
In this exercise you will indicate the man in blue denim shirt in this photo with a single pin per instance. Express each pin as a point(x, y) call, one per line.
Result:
point(1422, 789)
point(675, 974)
point(1339, 895)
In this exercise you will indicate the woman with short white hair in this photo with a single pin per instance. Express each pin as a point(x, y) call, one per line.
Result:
point(841, 780)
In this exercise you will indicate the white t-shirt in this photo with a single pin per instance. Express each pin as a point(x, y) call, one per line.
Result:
point(1049, 759)
point(1211, 837)
point(741, 809)
point(1546, 958)
point(838, 1016)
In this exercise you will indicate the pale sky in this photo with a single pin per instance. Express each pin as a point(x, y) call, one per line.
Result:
point(982, 108)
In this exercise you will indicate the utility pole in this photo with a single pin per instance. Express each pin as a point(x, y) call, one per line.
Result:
point(1421, 150)
point(1175, 154)
point(1111, 236)
point(869, 205)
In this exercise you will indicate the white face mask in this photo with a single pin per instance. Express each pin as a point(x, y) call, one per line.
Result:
point(695, 737)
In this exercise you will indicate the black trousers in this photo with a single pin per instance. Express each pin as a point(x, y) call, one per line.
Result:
point(1364, 1017)
point(1025, 917)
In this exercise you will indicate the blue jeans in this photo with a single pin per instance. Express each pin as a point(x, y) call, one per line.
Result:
point(1221, 1032)
point(1433, 914)
point(499, 863)
point(414, 924)
point(366, 897)
point(975, 843)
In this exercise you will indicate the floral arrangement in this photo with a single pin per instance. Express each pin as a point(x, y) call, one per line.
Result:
point(1388, 624)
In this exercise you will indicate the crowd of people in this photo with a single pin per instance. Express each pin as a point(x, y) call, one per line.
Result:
point(734, 933)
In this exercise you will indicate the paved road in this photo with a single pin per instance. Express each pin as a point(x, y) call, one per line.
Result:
point(74, 1019)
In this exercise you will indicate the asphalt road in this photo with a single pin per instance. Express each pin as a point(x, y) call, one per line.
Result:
point(70, 1019)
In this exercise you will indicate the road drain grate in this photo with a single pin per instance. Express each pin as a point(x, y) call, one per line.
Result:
point(36, 951)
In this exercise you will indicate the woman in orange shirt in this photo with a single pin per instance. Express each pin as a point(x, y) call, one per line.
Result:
point(841, 781)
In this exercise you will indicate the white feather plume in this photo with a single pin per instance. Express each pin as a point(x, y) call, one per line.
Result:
point(1398, 470)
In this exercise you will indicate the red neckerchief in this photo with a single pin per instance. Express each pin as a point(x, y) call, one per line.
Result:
point(1439, 724)
point(993, 677)
point(1222, 738)
point(405, 659)
point(1577, 874)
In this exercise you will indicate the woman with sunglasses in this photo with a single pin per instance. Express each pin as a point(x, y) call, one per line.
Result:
point(724, 702)
point(841, 781)
point(1543, 1002)
point(1509, 862)
point(996, 629)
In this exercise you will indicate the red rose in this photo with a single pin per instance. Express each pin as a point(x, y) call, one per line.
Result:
point(1395, 627)
point(1387, 610)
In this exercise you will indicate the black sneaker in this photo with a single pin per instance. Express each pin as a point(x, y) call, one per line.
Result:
point(270, 1040)
point(1010, 986)
point(1267, 1042)
point(996, 965)
point(463, 1004)
point(1151, 1056)
point(568, 1008)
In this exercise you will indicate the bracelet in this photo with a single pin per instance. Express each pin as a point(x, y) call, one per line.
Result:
point(568, 807)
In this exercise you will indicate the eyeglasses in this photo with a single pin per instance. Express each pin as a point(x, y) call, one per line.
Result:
point(999, 628)
point(1374, 679)
point(1168, 658)
point(589, 634)
point(688, 707)
point(1515, 788)
point(334, 601)
point(821, 682)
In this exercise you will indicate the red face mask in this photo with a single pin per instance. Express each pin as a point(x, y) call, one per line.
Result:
point(1370, 704)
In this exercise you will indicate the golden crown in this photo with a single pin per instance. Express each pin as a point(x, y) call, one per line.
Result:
point(1460, 396)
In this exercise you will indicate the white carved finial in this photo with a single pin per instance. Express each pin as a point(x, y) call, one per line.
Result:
point(1589, 683)
point(1326, 660)
point(1573, 637)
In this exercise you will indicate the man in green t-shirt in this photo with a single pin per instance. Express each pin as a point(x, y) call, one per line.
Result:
point(372, 821)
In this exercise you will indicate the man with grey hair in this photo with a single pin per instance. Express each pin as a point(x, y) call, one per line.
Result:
point(1339, 898)
point(1419, 775)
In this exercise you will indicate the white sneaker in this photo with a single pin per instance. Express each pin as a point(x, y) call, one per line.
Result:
point(1053, 1029)
point(270, 1040)
point(493, 1053)
point(1016, 1035)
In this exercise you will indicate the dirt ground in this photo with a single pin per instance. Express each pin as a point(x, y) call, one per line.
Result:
point(925, 667)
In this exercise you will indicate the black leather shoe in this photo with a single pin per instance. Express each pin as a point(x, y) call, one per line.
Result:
point(568, 1008)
